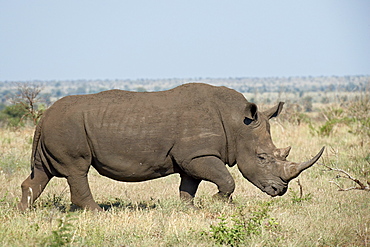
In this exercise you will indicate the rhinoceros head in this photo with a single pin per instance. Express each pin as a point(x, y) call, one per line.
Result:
point(259, 160)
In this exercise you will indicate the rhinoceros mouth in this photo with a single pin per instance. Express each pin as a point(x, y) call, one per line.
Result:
point(275, 190)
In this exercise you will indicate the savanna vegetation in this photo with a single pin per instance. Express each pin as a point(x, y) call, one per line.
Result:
point(323, 89)
point(328, 205)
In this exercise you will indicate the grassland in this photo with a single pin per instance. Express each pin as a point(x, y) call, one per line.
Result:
point(311, 213)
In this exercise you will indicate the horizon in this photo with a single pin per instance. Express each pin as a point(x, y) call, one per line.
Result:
point(178, 78)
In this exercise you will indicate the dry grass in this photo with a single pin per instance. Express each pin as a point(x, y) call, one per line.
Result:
point(151, 214)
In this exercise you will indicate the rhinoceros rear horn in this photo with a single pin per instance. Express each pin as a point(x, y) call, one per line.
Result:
point(294, 170)
point(282, 152)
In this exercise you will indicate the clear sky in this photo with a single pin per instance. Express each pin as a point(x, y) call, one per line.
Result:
point(120, 39)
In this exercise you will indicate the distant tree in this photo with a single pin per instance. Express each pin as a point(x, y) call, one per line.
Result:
point(157, 88)
point(325, 100)
point(307, 103)
point(28, 98)
point(80, 90)
point(58, 93)
point(301, 93)
point(140, 89)
point(343, 98)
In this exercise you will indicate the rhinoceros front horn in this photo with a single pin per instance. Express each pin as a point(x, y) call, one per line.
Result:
point(293, 170)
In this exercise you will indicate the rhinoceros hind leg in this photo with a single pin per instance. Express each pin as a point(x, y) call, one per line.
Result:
point(188, 188)
point(33, 186)
point(81, 194)
point(212, 169)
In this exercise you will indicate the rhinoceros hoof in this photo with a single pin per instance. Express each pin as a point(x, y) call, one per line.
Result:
point(223, 197)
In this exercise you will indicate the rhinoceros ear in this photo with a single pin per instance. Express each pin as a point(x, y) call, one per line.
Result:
point(251, 111)
point(274, 111)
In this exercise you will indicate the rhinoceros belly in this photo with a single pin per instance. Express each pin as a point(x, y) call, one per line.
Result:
point(132, 170)
point(126, 157)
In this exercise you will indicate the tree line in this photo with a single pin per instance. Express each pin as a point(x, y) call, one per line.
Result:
point(24, 102)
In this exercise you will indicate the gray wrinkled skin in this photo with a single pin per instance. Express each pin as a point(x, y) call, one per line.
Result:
point(194, 130)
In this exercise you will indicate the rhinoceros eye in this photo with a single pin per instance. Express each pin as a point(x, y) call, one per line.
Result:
point(262, 156)
point(248, 121)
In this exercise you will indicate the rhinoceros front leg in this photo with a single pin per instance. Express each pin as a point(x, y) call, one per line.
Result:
point(212, 169)
point(80, 192)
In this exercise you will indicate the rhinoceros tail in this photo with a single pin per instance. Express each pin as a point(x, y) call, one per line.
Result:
point(35, 143)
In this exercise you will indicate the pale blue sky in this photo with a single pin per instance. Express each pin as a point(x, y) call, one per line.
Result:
point(79, 39)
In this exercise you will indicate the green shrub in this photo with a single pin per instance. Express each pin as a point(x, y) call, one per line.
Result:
point(359, 111)
point(294, 114)
point(64, 234)
point(12, 115)
point(327, 128)
point(297, 197)
point(241, 227)
point(355, 115)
